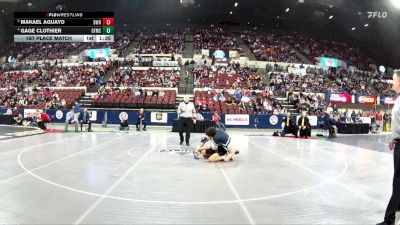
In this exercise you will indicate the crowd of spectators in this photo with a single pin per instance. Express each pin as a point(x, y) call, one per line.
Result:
point(24, 89)
point(72, 76)
point(359, 82)
point(58, 76)
point(310, 83)
point(216, 38)
point(127, 77)
point(19, 51)
point(146, 61)
point(52, 51)
point(136, 92)
point(134, 98)
point(237, 101)
point(39, 98)
point(270, 47)
point(339, 81)
point(160, 42)
point(314, 104)
point(312, 48)
point(232, 76)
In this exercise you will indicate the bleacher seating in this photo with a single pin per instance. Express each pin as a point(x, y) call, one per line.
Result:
point(40, 99)
point(160, 42)
point(226, 77)
point(270, 47)
point(128, 99)
point(232, 104)
point(124, 77)
point(216, 38)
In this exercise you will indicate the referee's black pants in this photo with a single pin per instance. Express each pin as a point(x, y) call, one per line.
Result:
point(394, 202)
point(185, 124)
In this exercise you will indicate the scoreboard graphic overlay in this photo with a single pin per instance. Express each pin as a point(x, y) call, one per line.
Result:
point(63, 27)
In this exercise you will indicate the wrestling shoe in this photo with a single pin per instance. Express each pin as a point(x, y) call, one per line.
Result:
point(195, 154)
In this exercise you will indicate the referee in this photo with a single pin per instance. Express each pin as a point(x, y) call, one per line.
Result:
point(186, 112)
point(394, 203)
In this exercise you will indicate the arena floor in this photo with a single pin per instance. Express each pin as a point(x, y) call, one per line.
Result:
point(146, 178)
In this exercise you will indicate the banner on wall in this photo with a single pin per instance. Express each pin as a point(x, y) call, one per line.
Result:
point(339, 98)
point(59, 114)
point(362, 99)
point(237, 119)
point(93, 115)
point(366, 120)
point(165, 63)
point(29, 112)
point(313, 120)
point(159, 117)
point(388, 100)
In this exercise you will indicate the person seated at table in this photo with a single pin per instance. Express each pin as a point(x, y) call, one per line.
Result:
point(304, 125)
point(357, 119)
point(353, 116)
point(289, 126)
point(84, 118)
point(141, 120)
point(124, 125)
point(19, 119)
point(348, 119)
point(331, 123)
point(70, 119)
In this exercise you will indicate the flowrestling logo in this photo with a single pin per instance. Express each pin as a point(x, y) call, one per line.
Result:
point(378, 15)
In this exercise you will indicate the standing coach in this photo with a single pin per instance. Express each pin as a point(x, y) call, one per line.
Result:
point(186, 112)
point(394, 145)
